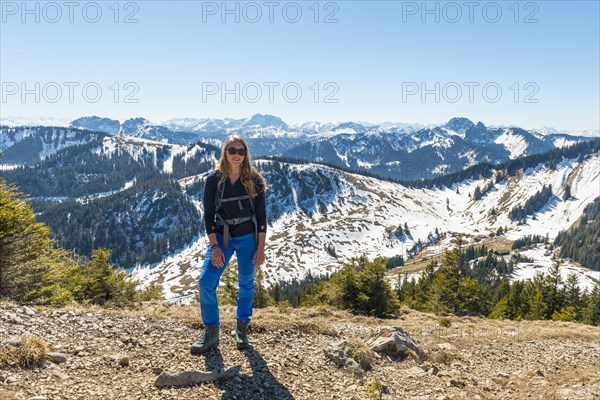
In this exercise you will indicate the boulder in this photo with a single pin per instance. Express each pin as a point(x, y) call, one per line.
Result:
point(185, 378)
point(394, 342)
point(57, 358)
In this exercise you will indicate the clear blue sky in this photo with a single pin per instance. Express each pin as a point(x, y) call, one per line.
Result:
point(374, 54)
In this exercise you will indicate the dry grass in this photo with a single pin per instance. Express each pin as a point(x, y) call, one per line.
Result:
point(314, 320)
point(360, 352)
point(31, 350)
point(418, 263)
point(464, 331)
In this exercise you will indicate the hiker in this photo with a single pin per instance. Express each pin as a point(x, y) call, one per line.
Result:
point(236, 221)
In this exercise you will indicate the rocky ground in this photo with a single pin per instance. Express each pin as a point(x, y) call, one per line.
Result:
point(118, 354)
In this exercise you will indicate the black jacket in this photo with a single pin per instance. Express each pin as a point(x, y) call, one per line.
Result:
point(230, 210)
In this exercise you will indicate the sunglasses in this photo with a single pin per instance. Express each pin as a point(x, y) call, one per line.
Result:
point(233, 150)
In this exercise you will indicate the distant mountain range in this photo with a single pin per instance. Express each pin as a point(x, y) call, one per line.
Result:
point(208, 124)
point(398, 151)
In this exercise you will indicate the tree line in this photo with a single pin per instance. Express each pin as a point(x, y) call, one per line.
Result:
point(532, 205)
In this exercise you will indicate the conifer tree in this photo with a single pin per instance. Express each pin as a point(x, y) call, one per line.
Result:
point(262, 298)
point(591, 313)
point(102, 282)
point(446, 283)
point(26, 251)
point(572, 292)
point(554, 294)
point(516, 307)
point(537, 309)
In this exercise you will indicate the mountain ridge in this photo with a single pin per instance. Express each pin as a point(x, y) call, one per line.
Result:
point(386, 151)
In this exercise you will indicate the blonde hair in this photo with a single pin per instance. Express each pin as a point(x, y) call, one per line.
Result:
point(249, 176)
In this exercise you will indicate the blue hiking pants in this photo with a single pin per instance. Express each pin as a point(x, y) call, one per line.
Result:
point(244, 247)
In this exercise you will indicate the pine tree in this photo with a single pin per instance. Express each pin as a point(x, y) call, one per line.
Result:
point(537, 309)
point(517, 307)
point(446, 283)
point(471, 298)
point(501, 290)
point(564, 314)
point(27, 253)
point(227, 292)
point(379, 299)
point(422, 290)
point(262, 298)
point(500, 310)
point(591, 313)
point(276, 293)
point(402, 288)
point(554, 295)
point(152, 292)
point(572, 292)
point(101, 282)
point(362, 287)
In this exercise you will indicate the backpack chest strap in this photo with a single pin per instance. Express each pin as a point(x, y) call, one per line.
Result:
point(238, 199)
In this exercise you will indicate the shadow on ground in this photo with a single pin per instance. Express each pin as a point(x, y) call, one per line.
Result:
point(261, 384)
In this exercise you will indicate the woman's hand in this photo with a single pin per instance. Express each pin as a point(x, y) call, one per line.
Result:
point(259, 257)
point(218, 258)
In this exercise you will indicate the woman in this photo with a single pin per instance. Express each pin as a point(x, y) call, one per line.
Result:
point(236, 221)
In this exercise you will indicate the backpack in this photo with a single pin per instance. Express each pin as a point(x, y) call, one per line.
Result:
point(234, 221)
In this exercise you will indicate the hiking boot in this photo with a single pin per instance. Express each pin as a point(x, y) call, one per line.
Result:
point(208, 341)
point(241, 335)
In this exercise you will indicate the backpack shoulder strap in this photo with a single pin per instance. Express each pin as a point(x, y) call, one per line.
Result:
point(252, 202)
point(220, 190)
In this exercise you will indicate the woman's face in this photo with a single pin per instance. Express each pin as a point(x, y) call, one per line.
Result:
point(236, 159)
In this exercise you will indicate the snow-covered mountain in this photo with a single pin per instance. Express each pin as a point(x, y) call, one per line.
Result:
point(258, 125)
point(118, 192)
point(29, 145)
point(34, 121)
point(592, 133)
point(161, 154)
point(142, 128)
point(98, 124)
point(390, 150)
point(313, 127)
point(412, 155)
point(107, 165)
